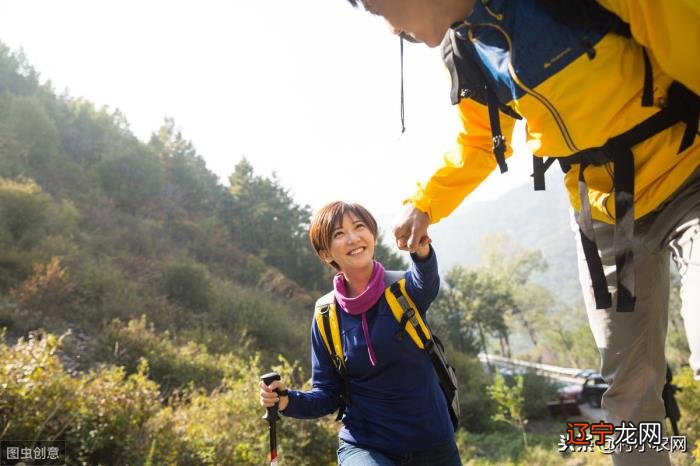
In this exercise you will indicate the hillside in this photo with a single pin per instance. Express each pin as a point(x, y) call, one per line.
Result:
point(533, 220)
point(141, 298)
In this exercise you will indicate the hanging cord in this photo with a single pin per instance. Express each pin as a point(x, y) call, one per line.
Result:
point(403, 120)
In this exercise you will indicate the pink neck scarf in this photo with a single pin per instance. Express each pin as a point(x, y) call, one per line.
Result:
point(360, 304)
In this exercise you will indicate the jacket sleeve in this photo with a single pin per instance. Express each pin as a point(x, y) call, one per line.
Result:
point(324, 396)
point(670, 30)
point(423, 280)
point(465, 166)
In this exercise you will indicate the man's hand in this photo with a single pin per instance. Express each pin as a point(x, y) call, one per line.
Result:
point(411, 229)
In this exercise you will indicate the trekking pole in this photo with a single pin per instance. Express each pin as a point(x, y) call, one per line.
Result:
point(271, 417)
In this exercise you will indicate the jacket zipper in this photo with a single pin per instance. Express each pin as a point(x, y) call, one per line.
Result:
point(543, 100)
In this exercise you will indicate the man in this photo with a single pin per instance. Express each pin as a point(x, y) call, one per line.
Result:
point(615, 98)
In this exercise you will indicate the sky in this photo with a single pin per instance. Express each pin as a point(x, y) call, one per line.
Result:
point(307, 90)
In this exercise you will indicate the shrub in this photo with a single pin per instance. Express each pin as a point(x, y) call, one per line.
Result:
point(47, 292)
point(172, 366)
point(537, 391)
point(23, 213)
point(187, 284)
point(37, 398)
point(109, 425)
point(476, 409)
point(689, 403)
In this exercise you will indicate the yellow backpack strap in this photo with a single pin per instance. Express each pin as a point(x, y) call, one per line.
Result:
point(326, 316)
point(328, 326)
point(405, 312)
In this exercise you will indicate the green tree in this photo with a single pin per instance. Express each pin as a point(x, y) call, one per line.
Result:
point(16, 74)
point(389, 258)
point(34, 132)
point(510, 403)
point(189, 185)
point(473, 305)
point(264, 218)
point(132, 179)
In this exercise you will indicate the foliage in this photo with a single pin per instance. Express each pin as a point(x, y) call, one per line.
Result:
point(688, 398)
point(476, 409)
point(537, 392)
point(16, 74)
point(471, 305)
point(389, 259)
point(189, 185)
point(264, 218)
point(36, 399)
point(33, 131)
point(510, 403)
point(24, 217)
point(23, 213)
point(187, 284)
point(133, 179)
point(174, 367)
point(504, 447)
point(108, 417)
point(48, 292)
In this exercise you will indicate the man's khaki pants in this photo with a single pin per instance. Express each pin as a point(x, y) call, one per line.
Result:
point(631, 344)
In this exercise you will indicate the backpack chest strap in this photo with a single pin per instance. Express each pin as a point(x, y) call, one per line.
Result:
point(405, 312)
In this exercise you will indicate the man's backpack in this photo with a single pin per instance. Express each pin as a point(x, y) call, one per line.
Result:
point(410, 321)
point(590, 19)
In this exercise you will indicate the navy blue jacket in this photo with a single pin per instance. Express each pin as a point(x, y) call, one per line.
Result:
point(396, 406)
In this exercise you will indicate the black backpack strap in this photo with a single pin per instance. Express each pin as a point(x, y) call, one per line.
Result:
point(539, 167)
point(469, 81)
point(499, 141)
point(683, 106)
point(648, 89)
point(417, 328)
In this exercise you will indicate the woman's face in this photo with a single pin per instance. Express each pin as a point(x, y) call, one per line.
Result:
point(352, 245)
point(426, 21)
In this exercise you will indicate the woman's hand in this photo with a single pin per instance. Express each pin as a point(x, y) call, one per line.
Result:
point(268, 396)
point(423, 251)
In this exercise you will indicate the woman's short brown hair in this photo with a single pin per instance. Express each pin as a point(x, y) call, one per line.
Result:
point(329, 217)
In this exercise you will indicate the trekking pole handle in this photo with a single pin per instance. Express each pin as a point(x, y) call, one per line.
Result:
point(267, 379)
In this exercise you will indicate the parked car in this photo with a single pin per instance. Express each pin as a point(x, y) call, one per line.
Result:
point(585, 373)
point(569, 391)
point(592, 390)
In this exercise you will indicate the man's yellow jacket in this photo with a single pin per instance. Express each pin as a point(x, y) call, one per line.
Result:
point(573, 98)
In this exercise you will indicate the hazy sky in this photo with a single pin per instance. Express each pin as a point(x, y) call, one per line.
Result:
point(307, 89)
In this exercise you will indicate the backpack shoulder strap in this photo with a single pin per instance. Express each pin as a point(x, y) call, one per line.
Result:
point(326, 317)
point(405, 312)
point(410, 321)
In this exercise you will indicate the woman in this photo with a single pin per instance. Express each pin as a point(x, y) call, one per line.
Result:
point(397, 413)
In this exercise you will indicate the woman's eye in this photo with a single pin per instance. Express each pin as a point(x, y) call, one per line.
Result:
point(337, 234)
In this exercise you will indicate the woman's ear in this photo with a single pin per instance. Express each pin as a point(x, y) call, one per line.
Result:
point(325, 256)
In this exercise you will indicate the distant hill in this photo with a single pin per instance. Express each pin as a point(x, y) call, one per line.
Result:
point(535, 220)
